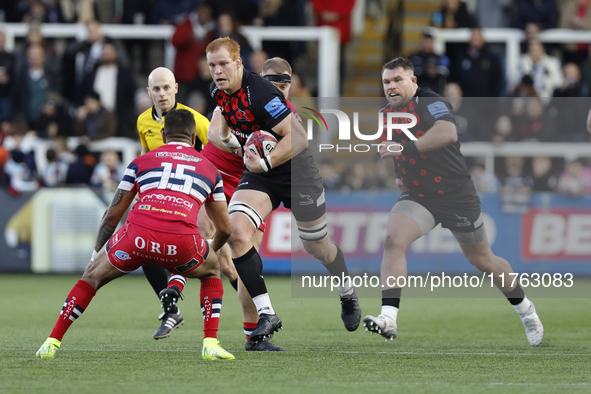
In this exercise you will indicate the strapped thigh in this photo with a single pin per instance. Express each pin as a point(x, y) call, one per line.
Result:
point(315, 233)
point(417, 213)
point(247, 210)
point(473, 237)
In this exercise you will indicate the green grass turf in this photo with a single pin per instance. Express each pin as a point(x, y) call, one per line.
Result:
point(444, 345)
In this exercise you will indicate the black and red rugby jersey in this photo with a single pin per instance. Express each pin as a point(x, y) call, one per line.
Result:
point(257, 105)
point(435, 173)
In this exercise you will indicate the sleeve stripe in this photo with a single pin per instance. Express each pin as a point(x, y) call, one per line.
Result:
point(124, 185)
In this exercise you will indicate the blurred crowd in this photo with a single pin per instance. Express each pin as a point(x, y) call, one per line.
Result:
point(94, 88)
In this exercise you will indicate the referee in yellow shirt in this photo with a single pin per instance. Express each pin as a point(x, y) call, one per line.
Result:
point(162, 89)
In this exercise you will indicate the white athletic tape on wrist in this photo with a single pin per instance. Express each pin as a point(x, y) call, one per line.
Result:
point(264, 165)
point(94, 253)
point(233, 143)
point(247, 210)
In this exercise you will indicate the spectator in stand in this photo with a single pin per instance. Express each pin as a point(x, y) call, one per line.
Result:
point(35, 93)
point(575, 15)
point(34, 37)
point(484, 182)
point(331, 177)
point(503, 129)
point(542, 68)
point(355, 178)
point(79, 11)
point(197, 101)
point(575, 181)
point(142, 101)
point(116, 88)
point(279, 13)
point(477, 70)
point(299, 94)
point(22, 179)
point(227, 26)
point(202, 85)
point(466, 122)
point(6, 80)
point(453, 15)
point(542, 175)
point(93, 120)
point(493, 13)
point(190, 38)
point(536, 124)
point(80, 59)
point(168, 12)
point(570, 108)
point(256, 60)
point(59, 159)
point(136, 12)
point(431, 70)
point(516, 187)
point(533, 16)
point(80, 170)
point(336, 14)
point(571, 82)
point(108, 172)
point(33, 11)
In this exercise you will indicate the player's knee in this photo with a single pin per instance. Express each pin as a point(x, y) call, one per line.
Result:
point(394, 244)
point(241, 235)
point(319, 249)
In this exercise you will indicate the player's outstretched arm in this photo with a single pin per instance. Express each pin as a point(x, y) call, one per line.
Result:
point(218, 213)
point(112, 216)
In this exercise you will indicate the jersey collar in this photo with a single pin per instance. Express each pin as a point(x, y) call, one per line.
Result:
point(155, 114)
point(179, 143)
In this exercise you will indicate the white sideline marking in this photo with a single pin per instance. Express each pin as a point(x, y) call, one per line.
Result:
point(462, 384)
point(321, 352)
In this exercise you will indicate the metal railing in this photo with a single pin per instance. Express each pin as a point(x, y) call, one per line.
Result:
point(328, 42)
point(512, 39)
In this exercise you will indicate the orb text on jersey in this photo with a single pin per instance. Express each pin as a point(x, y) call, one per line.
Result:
point(398, 122)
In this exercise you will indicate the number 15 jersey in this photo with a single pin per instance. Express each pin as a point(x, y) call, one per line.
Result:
point(173, 182)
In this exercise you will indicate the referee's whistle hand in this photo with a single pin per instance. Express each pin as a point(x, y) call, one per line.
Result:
point(390, 149)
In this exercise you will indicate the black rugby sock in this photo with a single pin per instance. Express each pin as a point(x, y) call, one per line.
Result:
point(515, 296)
point(157, 276)
point(391, 297)
point(250, 269)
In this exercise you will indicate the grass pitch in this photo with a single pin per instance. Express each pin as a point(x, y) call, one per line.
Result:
point(443, 346)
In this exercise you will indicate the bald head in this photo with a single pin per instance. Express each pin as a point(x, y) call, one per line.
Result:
point(161, 74)
point(162, 88)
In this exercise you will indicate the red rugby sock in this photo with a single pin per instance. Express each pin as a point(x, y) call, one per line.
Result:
point(76, 302)
point(212, 291)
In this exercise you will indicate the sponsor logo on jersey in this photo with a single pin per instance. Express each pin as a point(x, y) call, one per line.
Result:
point(145, 206)
point(178, 155)
point(275, 107)
point(121, 255)
point(438, 109)
point(172, 199)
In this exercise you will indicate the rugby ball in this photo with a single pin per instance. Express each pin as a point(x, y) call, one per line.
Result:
point(261, 143)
